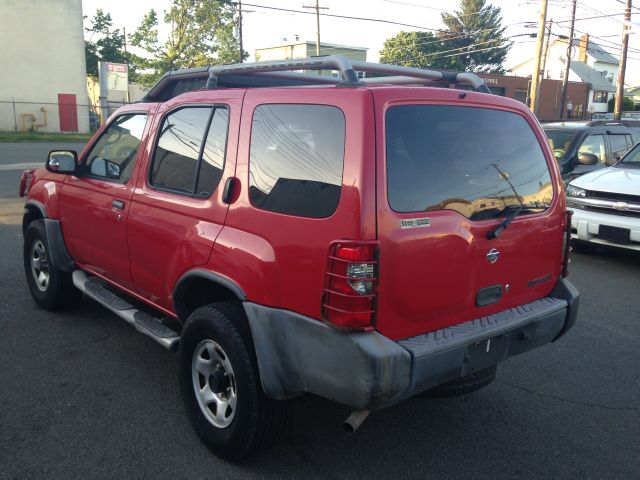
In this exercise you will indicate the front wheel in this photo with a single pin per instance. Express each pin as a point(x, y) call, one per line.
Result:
point(221, 387)
point(50, 287)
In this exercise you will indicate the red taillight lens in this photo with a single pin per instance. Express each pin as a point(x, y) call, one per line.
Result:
point(25, 182)
point(350, 286)
point(566, 244)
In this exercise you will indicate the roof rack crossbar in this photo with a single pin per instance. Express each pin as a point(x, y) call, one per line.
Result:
point(332, 62)
point(347, 69)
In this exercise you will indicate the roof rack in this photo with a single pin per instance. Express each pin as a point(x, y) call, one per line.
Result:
point(283, 73)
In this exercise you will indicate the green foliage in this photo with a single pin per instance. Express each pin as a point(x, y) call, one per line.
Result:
point(202, 33)
point(414, 49)
point(475, 26)
point(627, 104)
point(110, 46)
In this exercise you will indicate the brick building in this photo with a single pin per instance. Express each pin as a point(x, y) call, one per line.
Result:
point(550, 94)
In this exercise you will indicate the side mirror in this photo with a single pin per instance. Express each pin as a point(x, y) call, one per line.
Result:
point(587, 159)
point(62, 161)
point(105, 168)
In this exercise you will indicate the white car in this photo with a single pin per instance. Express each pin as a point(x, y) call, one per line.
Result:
point(606, 204)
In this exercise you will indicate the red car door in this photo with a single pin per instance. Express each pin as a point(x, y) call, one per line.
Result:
point(94, 204)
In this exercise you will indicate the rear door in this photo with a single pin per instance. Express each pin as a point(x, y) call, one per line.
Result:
point(447, 176)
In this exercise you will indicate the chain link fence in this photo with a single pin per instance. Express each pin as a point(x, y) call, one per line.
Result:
point(35, 116)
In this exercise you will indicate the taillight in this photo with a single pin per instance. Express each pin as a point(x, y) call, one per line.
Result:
point(566, 244)
point(350, 285)
point(25, 182)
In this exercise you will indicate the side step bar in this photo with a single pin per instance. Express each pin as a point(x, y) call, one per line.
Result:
point(152, 327)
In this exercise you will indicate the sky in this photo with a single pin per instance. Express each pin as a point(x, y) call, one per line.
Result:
point(264, 27)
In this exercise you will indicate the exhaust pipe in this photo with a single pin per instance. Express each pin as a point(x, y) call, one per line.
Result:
point(353, 421)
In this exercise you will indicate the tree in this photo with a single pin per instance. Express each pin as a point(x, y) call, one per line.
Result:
point(476, 29)
point(414, 49)
point(202, 34)
point(627, 104)
point(472, 41)
point(110, 47)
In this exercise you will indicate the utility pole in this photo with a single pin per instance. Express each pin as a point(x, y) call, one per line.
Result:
point(546, 51)
point(317, 8)
point(565, 79)
point(617, 109)
point(240, 27)
point(535, 77)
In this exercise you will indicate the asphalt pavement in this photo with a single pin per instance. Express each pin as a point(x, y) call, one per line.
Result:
point(83, 395)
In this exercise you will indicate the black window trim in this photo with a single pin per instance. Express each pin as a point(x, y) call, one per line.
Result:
point(344, 153)
point(83, 160)
point(152, 157)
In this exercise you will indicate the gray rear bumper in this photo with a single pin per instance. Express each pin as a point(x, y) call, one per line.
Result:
point(299, 355)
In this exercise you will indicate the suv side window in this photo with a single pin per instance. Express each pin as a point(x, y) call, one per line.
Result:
point(296, 159)
point(113, 156)
point(618, 144)
point(181, 163)
point(594, 144)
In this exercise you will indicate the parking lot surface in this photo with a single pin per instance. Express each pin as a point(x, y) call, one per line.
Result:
point(83, 395)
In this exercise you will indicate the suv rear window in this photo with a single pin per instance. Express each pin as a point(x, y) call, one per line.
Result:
point(296, 160)
point(475, 161)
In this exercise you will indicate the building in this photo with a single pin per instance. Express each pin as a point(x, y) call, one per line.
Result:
point(43, 83)
point(591, 64)
point(550, 92)
point(303, 49)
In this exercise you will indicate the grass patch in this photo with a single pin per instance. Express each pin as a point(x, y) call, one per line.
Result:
point(43, 137)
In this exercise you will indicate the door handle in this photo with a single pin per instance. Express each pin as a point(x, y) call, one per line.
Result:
point(229, 190)
point(117, 204)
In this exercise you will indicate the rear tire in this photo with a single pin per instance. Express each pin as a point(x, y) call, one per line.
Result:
point(50, 287)
point(464, 385)
point(221, 386)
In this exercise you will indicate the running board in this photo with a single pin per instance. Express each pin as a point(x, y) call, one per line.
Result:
point(152, 327)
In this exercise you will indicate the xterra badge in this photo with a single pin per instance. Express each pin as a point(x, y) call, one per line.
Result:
point(415, 223)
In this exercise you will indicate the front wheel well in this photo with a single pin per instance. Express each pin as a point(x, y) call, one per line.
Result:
point(200, 289)
point(31, 213)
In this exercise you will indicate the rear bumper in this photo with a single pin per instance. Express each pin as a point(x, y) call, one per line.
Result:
point(299, 355)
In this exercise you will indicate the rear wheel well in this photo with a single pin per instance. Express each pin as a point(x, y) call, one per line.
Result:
point(197, 291)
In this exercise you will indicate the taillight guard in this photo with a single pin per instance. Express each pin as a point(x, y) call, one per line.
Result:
point(350, 287)
point(566, 246)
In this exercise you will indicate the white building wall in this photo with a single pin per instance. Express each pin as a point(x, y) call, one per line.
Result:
point(41, 55)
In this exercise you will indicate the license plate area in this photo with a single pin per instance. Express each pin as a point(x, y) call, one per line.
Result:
point(484, 354)
point(615, 234)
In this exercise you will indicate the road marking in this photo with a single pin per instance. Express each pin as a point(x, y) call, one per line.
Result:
point(21, 166)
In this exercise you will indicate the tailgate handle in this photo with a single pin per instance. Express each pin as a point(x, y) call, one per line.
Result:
point(488, 295)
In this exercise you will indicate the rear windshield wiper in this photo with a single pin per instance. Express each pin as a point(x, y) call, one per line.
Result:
point(513, 213)
point(491, 234)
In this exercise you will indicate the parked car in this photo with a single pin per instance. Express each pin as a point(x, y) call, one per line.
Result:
point(365, 241)
point(582, 147)
point(606, 205)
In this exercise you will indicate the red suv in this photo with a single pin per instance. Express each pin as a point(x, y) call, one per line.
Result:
point(289, 233)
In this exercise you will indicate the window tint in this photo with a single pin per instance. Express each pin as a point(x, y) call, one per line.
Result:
point(176, 156)
point(114, 154)
point(594, 144)
point(296, 159)
point(213, 154)
point(475, 161)
point(618, 144)
point(180, 161)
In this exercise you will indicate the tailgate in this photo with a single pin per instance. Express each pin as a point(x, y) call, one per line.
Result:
point(448, 175)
